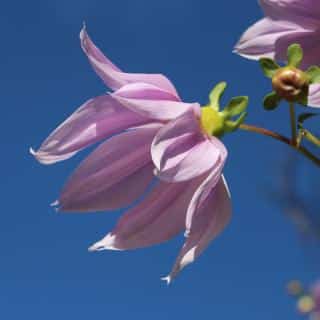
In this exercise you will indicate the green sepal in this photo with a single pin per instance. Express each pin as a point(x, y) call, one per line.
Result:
point(305, 116)
point(269, 67)
point(231, 126)
point(304, 100)
point(314, 74)
point(216, 94)
point(236, 106)
point(295, 55)
point(271, 101)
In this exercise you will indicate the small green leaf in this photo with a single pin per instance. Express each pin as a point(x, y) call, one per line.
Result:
point(231, 126)
point(314, 73)
point(269, 67)
point(236, 106)
point(271, 101)
point(295, 55)
point(305, 116)
point(304, 100)
point(216, 95)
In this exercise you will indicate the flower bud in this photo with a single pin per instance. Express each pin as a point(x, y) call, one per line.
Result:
point(291, 84)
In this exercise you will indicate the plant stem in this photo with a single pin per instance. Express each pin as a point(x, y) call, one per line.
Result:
point(293, 124)
point(310, 137)
point(283, 139)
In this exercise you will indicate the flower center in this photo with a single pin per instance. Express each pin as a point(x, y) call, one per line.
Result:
point(211, 121)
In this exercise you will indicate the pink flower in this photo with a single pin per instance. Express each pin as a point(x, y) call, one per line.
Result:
point(286, 22)
point(193, 197)
point(120, 169)
point(144, 112)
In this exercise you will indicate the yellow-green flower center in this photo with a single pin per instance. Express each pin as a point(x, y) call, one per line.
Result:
point(212, 122)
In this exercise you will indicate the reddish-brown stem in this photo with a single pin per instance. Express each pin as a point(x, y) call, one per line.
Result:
point(283, 139)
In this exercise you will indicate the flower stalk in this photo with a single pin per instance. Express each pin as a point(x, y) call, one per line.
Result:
point(265, 132)
point(293, 123)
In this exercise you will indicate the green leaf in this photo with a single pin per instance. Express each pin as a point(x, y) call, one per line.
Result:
point(304, 100)
point(216, 95)
point(295, 55)
point(271, 101)
point(231, 126)
point(269, 67)
point(314, 73)
point(236, 106)
point(305, 116)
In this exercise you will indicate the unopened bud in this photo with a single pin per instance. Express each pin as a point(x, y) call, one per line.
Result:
point(291, 84)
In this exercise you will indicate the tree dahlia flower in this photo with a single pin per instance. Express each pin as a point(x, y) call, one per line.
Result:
point(148, 126)
point(120, 169)
point(286, 22)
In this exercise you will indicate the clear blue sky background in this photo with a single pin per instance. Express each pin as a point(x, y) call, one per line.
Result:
point(45, 269)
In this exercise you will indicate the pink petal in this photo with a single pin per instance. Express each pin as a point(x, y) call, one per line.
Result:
point(114, 175)
point(208, 222)
point(95, 120)
point(112, 76)
point(156, 219)
point(309, 42)
point(151, 102)
point(314, 96)
point(260, 39)
point(302, 12)
point(181, 152)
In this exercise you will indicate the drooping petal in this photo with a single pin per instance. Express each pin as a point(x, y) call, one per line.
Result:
point(158, 218)
point(208, 222)
point(181, 152)
point(260, 39)
point(314, 96)
point(151, 101)
point(114, 175)
point(96, 119)
point(305, 13)
point(112, 76)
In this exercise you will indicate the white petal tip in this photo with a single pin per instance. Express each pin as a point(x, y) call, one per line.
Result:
point(167, 279)
point(107, 243)
point(96, 247)
point(54, 203)
point(31, 151)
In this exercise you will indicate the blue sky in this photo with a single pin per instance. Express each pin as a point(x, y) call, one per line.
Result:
point(45, 270)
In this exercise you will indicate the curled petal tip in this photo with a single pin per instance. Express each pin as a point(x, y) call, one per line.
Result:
point(54, 203)
point(167, 279)
point(32, 151)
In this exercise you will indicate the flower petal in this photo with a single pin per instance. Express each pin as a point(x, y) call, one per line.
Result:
point(96, 119)
point(305, 13)
point(208, 222)
point(314, 96)
point(112, 76)
point(151, 101)
point(158, 218)
point(181, 152)
point(309, 42)
point(260, 39)
point(114, 175)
